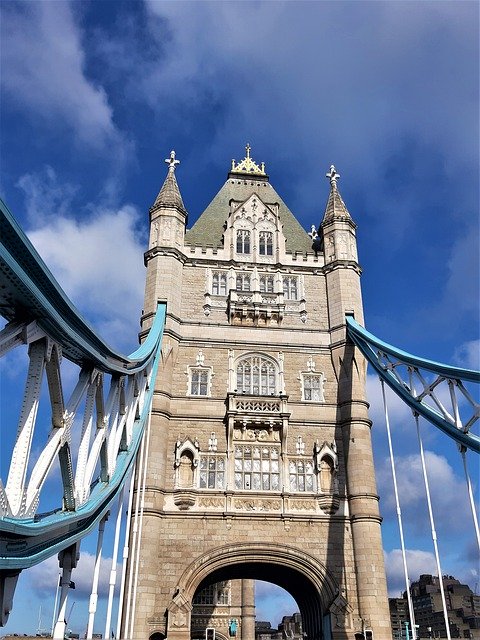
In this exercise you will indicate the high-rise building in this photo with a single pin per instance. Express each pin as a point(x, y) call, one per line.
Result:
point(259, 459)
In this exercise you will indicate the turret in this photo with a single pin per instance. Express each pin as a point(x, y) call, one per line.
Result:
point(168, 215)
point(163, 259)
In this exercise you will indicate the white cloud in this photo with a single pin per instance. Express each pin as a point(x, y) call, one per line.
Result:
point(467, 355)
point(272, 602)
point(98, 261)
point(43, 71)
point(448, 494)
point(418, 562)
point(44, 576)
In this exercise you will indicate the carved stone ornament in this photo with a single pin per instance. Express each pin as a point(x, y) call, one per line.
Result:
point(184, 499)
point(329, 503)
point(249, 504)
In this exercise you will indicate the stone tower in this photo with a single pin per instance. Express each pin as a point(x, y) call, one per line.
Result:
point(259, 461)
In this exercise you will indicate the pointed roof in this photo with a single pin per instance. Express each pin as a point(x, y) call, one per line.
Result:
point(169, 194)
point(244, 179)
point(336, 207)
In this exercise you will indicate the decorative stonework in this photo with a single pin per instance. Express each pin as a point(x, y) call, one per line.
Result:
point(251, 504)
point(184, 499)
point(211, 502)
point(247, 165)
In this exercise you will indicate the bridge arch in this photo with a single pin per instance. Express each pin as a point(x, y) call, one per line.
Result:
point(307, 580)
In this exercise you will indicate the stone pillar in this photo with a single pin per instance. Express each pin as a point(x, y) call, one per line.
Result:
point(248, 610)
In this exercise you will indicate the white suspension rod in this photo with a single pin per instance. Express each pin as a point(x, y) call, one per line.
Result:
point(432, 526)
point(139, 542)
point(92, 609)
point(125, 553)
point(113, 570)
point(463, 453)
point(133, 546)
point(399, 515)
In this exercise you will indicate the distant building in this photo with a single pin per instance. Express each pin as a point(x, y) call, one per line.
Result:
point(463, 609)
point(398, 616)
point(291, 627)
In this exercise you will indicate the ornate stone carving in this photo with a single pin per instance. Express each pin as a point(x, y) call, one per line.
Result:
point(250, 504)
point(211, 501)
point(303, 505)
point(184, 499)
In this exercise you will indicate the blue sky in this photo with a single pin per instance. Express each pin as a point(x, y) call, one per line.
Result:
point(96, 94)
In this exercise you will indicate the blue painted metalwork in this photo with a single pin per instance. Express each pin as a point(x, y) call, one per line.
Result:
point(29, 293)
point(387, 362)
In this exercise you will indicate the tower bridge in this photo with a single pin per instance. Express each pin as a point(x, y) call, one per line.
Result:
point(239, 429)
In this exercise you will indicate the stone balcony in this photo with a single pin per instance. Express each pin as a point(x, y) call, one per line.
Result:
point(255, 307)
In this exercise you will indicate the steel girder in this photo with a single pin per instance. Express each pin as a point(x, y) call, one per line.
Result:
point(436, 391)
point(92, 437)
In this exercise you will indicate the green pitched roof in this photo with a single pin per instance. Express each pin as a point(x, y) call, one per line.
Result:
point(209, 228)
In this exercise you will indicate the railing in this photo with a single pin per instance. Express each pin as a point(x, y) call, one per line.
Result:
point(86, 443)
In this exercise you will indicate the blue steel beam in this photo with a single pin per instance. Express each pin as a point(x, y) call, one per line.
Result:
point(374, 349)
point(29, 292)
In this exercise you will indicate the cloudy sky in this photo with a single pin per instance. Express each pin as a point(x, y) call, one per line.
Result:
point(96, 94)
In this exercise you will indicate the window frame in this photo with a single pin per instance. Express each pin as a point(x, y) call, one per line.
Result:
point(205, 467)
point(290, 288)
point(267, 283)
point(262, 382)
point(249, 476)
point(310, 375)
point(265, 243)
point(243, 242)
point(206, 371)
point(307, 472)
point(219, 283)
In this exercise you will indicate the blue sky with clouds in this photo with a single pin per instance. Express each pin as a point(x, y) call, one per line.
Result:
point(96, 94)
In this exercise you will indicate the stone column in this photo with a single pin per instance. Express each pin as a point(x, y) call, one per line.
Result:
point(248, 610)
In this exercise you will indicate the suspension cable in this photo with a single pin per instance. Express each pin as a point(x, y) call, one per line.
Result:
point(125, 553)
point(140, 529)
point(432, 526)
point(463, 453)
point(133, 546)
point(399, 515)
point(113, 569)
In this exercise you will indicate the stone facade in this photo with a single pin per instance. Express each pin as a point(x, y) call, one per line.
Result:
point(259, 458)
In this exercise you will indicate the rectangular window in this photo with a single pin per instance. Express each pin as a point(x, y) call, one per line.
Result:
point(290, 287)
point(313, 387)
point(219, 284)
point(267, 284)
point(212, 472)
point(257, 468)
point(243, 282)
point(199, 382)
point(302, 477)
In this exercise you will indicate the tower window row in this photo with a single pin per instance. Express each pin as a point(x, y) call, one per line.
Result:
point(258, 467)
point(244, 282)
point(255, 375)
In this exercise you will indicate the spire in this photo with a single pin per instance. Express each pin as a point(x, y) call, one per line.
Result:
point(335, 205)
point(169, 195)
point(248, 165)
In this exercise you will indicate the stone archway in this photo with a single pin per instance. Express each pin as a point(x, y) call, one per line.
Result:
point(303, 576)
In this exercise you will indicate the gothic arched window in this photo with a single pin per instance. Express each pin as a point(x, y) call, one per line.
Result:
point(265, 243)
point(256, 376)
point(243, 241)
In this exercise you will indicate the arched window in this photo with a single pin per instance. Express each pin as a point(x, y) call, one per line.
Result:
point(243, 241)
point(265, 243)
point(256, 376)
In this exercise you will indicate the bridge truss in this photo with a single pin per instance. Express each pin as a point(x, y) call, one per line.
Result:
point(91, 439)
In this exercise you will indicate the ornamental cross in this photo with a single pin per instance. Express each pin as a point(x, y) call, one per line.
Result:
point(172, 161)
point(333, 175)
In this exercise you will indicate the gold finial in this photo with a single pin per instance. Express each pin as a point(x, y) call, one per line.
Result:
point(333, 175)
point(172, 161)
point(247, 165)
